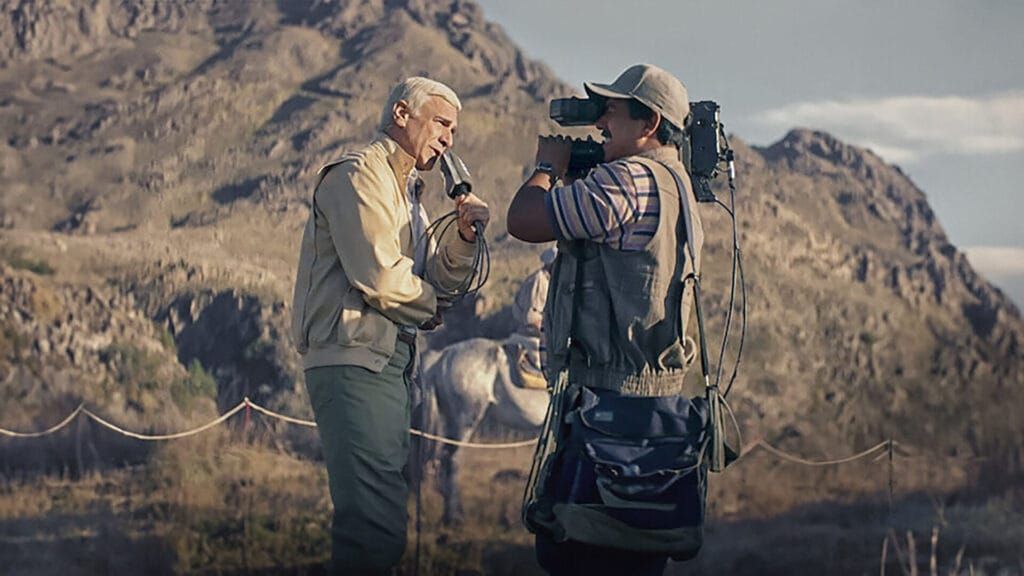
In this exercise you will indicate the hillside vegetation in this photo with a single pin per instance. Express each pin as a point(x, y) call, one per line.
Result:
point(155, 174)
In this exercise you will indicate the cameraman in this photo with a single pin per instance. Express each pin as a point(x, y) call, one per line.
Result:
point(617, 307)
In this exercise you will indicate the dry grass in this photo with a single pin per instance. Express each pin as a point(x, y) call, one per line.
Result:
point(940, 559)
point(215, 504)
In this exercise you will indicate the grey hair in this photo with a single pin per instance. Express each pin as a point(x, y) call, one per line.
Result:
point(415, 90)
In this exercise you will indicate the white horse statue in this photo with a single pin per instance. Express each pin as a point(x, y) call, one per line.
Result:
point(467, 380)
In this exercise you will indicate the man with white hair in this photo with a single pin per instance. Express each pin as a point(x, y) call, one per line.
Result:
point(359, 299)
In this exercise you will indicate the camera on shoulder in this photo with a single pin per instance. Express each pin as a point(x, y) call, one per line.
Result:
point(703, 153)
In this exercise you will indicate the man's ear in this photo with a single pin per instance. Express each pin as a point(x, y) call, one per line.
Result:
point(400, 113)
point(651, 125)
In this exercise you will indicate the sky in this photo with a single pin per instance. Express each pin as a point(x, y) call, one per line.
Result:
point(936, 87)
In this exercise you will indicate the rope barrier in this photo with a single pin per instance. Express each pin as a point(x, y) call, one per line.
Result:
point(499, 445)
point(907, 453)
point(413, 431)
point(272, 414)
point(174, 436)
point(797, 460)
point(46, 432)
point(227, 415)
point(882, 448)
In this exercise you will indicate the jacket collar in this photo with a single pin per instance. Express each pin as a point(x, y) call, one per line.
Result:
point(401, 162)
point(662, 153)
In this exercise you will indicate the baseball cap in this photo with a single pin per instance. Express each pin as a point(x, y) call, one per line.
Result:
point(652, 86)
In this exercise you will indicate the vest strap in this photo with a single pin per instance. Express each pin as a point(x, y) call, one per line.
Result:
point(684, 207)
point(719, 457)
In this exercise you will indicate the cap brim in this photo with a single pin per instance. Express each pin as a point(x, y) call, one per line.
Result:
point(603, 90)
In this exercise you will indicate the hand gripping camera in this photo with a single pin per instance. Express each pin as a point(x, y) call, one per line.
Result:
point(704, 152)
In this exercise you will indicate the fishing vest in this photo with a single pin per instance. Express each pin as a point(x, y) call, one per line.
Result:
point(625, 329)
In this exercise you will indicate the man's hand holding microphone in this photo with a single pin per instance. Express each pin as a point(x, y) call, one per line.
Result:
point(472, 216)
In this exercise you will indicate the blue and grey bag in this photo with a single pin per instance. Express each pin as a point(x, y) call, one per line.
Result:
point(629, 474)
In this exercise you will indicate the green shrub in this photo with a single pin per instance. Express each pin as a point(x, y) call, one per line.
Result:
point(136, 370)
point(17, 259)
point(134, 365)
point(166, 338)
point(198, 384)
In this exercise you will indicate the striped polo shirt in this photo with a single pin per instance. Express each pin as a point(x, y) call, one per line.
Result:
point(616, 204)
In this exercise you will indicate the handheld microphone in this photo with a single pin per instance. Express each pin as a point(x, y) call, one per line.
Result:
point(457, 181)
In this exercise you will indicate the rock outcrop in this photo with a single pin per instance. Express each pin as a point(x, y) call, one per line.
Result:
point(156, 170)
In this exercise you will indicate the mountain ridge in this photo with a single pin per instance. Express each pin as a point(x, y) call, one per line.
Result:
point(165, 150)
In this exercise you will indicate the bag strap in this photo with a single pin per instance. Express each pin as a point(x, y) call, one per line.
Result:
point(684, 210)
point(720, 453)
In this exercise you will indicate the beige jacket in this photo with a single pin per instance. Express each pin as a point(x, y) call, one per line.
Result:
point(355, 283)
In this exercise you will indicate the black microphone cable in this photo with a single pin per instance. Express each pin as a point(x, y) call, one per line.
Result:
point(480, 270)
point(458, 182)
point(737, 275)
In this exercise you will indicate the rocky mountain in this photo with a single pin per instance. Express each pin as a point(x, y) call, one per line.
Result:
point(866, 321)
point(156, 169)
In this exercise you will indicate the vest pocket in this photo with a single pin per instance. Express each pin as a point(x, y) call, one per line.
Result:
point(557, 311)
point(596, 328)
point(641, 282)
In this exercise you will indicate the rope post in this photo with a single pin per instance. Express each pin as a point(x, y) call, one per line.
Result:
point(248, 412)
point(889, 449)
point(79, 461)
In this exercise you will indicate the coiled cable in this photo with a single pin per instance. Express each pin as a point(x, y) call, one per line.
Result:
point(479, 272)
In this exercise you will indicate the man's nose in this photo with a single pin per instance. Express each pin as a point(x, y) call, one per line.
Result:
point(447, 138)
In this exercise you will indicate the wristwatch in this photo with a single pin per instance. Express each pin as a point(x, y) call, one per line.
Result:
point(548, 169)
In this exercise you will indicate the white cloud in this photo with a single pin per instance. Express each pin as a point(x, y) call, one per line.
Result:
point(908, 128)
point(895, 154)
point(997, 261)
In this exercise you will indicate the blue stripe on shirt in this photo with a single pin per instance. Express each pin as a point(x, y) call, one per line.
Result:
point(556, 226)
point(611, 206)
point(579, 212)
point(597, 210)
point(626, 193)
point(626, 211)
